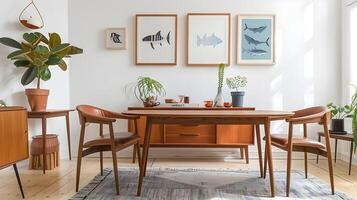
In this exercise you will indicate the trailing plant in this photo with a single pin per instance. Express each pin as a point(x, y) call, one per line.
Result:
point(2, 103)
point(147, 88)
point(220, 75)
point(37, 53)
point(234, 83)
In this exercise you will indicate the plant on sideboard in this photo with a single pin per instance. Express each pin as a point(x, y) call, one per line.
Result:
point(147, 90)
point(235, 83)
point(219, 100)
point(338, 114)
point(37, 54)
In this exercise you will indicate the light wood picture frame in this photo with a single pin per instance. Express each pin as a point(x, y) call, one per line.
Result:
point(156, 39)
point(116, 38)
point(208, 39)
point(255, 39)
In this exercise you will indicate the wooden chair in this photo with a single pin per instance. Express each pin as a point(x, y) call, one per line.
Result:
point(113, 142)
point(319, 115)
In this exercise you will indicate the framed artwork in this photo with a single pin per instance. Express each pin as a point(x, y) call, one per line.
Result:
point(256, 39)
point(116, 38)
point(156, 39)
point(208, 38)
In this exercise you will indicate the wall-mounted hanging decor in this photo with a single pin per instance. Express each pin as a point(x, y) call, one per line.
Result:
point(116, 38)
point(31, 17)
point(156, 39)
point(256, 39)
point(208, 38)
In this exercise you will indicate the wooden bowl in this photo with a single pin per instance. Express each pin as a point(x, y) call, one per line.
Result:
point(227, 104)
point(208, 104)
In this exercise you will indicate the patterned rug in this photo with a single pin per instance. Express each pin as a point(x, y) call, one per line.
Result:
point(202, 184)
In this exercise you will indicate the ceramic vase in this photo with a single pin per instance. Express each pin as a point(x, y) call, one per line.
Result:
point(219, 100)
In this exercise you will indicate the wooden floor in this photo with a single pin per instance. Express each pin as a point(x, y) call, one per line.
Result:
point(60, 183)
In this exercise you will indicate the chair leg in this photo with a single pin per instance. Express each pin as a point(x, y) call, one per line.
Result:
point(246, 150)
point(18, 180)
point(329, 154)
point(139, 154)
point(265, 164)
point(288, 173)
point(79, 163)
point(305, 158)
point(134, 154)
point(101, 163)
point(115, 168)
point(241, 153)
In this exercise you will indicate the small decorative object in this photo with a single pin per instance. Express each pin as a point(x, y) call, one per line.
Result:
point(338, 114)
point(227, 104)
point(116, 38)
point(52, 152)
point(208, 104)
point(147, 90)
point(209, 38)
point(234, 83)
point(219, 100)
point(2, 103)
point(256, 39)
point(186, 99)
point(156, 39)
point(31, 17)
point(36, 54)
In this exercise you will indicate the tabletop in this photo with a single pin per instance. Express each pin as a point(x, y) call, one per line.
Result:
point(210, 113)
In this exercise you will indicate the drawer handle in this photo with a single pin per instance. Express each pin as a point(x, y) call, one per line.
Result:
point(189, 134)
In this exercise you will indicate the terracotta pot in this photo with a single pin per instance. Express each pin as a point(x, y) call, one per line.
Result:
point(37, 98)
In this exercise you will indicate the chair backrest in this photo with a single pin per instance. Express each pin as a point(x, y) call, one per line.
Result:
point(310, 115)
point(87, 110)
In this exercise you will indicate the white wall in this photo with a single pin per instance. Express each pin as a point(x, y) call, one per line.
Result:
point(11, 90)
point(308, 55)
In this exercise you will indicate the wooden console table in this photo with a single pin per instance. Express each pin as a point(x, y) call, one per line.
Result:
point(227, 117)
point(197, 135)
point(44, 115)
point(13, 138)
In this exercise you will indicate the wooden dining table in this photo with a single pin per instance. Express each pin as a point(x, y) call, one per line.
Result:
point(192, 117)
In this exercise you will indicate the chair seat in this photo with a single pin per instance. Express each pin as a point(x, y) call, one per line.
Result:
point(120, 138)
point(282, 140)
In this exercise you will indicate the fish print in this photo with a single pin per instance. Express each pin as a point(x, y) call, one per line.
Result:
point(115, 37)
point(255, 52)
point(212, 40)
point(255, 30)
point(156, 39)
point(251, 40)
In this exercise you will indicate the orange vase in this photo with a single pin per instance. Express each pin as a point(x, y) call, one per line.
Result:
point(37, 98)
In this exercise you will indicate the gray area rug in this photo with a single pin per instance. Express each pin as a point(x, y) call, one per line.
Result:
point(202, 184)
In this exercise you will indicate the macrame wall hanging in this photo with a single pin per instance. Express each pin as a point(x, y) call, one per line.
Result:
point(31, 17)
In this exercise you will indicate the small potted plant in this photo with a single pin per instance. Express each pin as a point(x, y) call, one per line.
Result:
point(36, 54)
point(147, 90)
point(219, 100)
point(338, 114)
point(234, 83)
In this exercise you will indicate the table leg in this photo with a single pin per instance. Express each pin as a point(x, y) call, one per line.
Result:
point(145, 156)
point(68, 136)
point(259, 144)
point(351, 151)
point(269, 156)
point(336, 150)
point(18, 180)
point(317, 156)
point(44, 130)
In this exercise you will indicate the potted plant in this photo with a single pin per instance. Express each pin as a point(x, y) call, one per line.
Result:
point(354, 118)
point(147, 90)
point(219, 100)
point(234, 83)
point(36, 54)
point(2, 103)
point(338, 114)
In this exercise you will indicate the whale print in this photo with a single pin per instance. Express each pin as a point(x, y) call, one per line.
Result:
point(251, 40)
point(212, 40)
point(255, 30)
point(156, 39)
point(255, 52)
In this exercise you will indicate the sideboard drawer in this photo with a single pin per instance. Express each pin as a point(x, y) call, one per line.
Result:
point(190, 134)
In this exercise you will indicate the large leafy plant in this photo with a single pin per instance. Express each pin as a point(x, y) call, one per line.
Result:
point(147, 88)
point(37, 53)
point(340, 112)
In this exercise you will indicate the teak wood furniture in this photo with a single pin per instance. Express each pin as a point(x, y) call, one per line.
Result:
point(197, 135)
point(44, 115)
point(228, 117)
point(314, 115)
point(347, 137)
point(113, 142)
point(13, 138)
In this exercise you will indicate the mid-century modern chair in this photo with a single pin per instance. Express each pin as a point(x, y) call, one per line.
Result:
point(113, 142)
point(290, 143)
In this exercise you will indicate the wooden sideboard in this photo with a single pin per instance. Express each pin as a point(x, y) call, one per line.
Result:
point(197, 135)
point(13, 138)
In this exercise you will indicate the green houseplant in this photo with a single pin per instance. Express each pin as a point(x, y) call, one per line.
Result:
point(2, 103)
point(234, 83)
point(219, 100)
point(354, 118)
point(36, 54)
point(147, 90)
point(338, 114)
